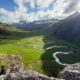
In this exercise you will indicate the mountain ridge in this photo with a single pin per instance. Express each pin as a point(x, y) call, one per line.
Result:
point(68, 29)
point(36, 25)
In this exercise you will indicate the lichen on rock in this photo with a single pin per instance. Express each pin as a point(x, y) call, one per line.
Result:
point(8, 62)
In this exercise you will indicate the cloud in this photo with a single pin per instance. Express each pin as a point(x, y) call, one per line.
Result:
point(43, 4)
point(59, 9)
point(6, 16)
point(74, 5)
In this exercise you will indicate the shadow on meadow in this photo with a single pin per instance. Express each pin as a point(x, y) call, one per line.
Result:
point(15, 36)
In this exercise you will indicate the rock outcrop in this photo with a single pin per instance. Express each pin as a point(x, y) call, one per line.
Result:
point(29, 75)
point(10, 62)
point(15, 72)
point(72, 72)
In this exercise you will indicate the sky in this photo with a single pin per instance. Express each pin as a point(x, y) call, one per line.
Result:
point(12, 11)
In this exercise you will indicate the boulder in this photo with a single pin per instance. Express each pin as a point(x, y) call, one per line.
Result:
point(28, 75)
point(71, 72)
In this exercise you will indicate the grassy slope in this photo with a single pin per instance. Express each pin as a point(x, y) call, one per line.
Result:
point(6, 27)
point(7, 31)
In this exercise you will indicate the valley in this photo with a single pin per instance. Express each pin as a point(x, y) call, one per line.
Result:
point(38, 51)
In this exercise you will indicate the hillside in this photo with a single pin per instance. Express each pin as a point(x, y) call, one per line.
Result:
point(5, 29)
point(68, 29)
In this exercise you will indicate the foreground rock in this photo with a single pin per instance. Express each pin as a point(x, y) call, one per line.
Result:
point(72, 72)
point(9, 62)
point(29, 75)
point(15, 71)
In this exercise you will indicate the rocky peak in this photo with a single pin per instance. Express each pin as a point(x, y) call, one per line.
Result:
point(76, 13)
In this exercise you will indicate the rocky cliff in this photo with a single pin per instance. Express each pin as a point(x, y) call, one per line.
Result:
point(71, 72)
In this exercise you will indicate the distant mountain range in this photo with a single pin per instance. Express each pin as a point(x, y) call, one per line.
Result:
point(68, 29)
point(36, 25)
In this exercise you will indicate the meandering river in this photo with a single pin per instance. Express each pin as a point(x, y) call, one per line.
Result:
point(55, 53)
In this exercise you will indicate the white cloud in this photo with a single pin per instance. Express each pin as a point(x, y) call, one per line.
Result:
point(60, 9)
point(43, 4)
point(7, 16)
point(32, 4)
point(57, 11)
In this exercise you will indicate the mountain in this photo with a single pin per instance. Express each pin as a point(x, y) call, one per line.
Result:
point(68, 29)
point(36, 25)
point(5, 29)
